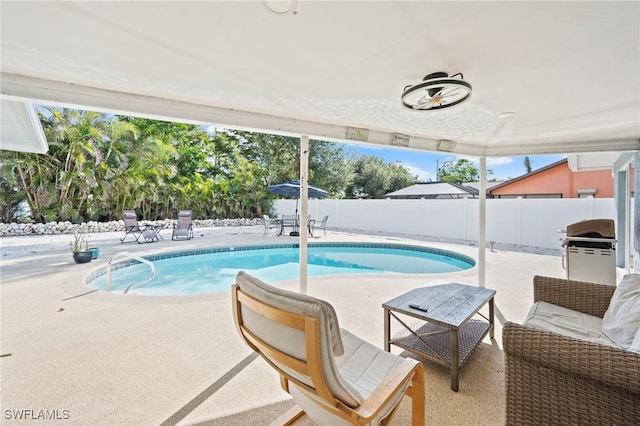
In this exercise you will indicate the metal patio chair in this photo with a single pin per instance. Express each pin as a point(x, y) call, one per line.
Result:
point(147, 232)
point(183, 228)
point(313, 224)
point(270, 224)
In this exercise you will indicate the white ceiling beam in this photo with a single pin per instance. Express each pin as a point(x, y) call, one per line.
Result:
point(577, 147)
point(56, 93)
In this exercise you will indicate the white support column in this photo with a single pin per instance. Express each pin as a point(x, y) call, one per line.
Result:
point(304, 210)
point(483, 223)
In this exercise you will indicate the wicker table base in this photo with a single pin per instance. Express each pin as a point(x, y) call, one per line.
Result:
point(443, 330)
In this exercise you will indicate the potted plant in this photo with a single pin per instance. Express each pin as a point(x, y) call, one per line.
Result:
point(96, 251)
point(80, 248)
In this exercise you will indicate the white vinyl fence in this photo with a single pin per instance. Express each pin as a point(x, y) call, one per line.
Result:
point(523, 222)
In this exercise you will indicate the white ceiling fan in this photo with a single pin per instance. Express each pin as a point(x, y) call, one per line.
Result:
point(436, 91)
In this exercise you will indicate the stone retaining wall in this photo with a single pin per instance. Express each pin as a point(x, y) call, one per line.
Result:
point(55, 228)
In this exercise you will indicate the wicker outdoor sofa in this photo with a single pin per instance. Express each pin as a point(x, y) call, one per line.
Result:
point(551, 379)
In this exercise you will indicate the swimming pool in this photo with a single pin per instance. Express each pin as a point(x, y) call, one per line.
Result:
point(215, 270)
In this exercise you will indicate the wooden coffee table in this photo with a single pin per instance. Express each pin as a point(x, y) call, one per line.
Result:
point(442, 329)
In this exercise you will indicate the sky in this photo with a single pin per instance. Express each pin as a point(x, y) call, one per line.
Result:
point(424, 164)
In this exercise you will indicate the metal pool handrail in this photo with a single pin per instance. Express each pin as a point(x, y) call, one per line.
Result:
point(132, 256)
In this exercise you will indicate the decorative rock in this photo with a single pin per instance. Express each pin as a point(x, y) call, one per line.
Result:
point(55, 228)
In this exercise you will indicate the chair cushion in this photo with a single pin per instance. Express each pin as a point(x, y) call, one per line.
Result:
point(364, 366)
point(560, 320)
point(292, 302)
point(622, 319)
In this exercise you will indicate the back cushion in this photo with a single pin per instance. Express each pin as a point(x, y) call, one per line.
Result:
point(292, 342)
point(621, 321)
point(298, 303)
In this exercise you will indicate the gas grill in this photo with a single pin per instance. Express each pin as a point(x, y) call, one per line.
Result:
point(591, 251)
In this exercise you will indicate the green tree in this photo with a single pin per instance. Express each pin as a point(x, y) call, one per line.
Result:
point(279, 156)
point(24, 178)
point(56, 185)
point(527, 164)
point(100, 164)
point(372, 177)
point(460, 172)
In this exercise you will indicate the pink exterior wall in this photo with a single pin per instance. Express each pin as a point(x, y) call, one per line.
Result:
point(561, 180)
point(601, 180)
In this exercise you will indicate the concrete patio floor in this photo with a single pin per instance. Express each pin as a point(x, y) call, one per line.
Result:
point(91, 358)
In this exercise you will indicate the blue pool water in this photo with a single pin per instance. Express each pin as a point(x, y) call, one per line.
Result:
point(214, 270)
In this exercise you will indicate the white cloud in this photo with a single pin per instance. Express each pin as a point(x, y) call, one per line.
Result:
point(491, 161)
point(499, 161)
point(211, 130)
point(423, 175)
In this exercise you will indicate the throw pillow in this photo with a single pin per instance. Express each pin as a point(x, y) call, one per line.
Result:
point(621, 321)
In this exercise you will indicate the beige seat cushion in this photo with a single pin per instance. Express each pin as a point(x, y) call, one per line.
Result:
point(364, 366)
point(557, 319)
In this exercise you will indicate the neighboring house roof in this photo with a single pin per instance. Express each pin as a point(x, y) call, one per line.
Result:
point(433, 190)
point(476, 185)
point(526, 175)
point(558, 180)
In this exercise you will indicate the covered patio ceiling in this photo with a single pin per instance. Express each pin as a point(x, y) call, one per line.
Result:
point(335, 70)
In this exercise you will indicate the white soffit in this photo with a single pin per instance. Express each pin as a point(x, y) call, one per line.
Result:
point(21, 129)
point(592, 161)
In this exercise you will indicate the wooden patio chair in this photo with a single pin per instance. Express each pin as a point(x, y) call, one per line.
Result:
point(333, 376)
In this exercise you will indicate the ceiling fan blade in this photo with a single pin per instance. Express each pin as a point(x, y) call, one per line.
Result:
point(450, 91)
point(426, 105)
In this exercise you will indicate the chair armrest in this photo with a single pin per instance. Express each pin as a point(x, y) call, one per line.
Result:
point(589, 298)
point(610, 366)
point(409, 372)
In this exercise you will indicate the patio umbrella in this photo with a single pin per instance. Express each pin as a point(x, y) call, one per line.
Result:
point(292, 189)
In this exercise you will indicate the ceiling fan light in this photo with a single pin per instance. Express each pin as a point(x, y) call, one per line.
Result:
point(441, 90)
